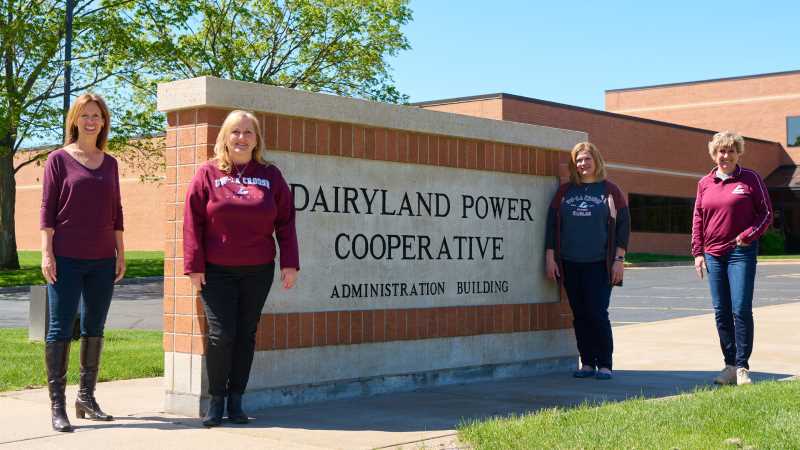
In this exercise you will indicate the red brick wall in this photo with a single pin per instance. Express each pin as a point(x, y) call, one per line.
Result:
point(487, 108)
point(661, 243)
point(641, 143)
point(190, 137)
point(633, 142)
point(142, 207)
point(755, 106)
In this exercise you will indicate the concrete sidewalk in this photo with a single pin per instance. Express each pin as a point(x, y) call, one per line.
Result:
point(654, 359)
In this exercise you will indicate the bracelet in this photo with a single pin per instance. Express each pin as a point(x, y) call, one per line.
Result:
point(619, 258)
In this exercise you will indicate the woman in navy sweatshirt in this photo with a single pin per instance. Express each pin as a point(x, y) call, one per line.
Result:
point(235, 204)
point(588, 225)
point(731, 212)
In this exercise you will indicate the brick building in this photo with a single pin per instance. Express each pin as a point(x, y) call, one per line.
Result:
point(656, 163)
point(654, 139)
point(141, 205)
point(765, 106)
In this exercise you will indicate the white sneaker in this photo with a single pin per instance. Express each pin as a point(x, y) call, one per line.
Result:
point(743, 376)
point(727, 376)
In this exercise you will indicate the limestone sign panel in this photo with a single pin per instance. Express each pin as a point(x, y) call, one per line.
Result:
point(377, 235)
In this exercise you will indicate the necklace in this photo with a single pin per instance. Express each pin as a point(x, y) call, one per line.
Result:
point(90, 160)
point(239, 175)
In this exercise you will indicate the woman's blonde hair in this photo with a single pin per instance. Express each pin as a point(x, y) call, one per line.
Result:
point(726, 139)
point(221, 155)
point(71, 124)
point(599, 162)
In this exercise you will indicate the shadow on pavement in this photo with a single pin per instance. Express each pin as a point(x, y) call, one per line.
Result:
point(446, 407)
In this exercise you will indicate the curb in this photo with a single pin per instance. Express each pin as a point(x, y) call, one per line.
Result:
point(660, 264)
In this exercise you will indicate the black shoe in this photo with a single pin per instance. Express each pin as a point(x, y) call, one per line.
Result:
point(86, 406)
point(235, 413)
point(216, 406)
point(56, 358)
point(584, 372)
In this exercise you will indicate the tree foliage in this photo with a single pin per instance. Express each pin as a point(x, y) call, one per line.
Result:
point(123, 48)
point(32, 83)
point(331, 46)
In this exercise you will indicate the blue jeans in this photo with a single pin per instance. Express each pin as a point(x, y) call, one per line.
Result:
point(91, 278)
point(589, 293)
point(731, 278)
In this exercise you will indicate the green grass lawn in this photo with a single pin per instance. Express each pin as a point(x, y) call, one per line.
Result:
point(768, 257)
point(139, 264)
point(763, 415)
point(127, 354)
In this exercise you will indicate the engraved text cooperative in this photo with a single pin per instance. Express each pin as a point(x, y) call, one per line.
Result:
point(387, 246)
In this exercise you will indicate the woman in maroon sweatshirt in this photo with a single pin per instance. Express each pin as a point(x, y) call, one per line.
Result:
point(731, 212)
point(82, 251)
point(235, 204)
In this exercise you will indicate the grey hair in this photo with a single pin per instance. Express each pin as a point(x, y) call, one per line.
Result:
point(726, 139)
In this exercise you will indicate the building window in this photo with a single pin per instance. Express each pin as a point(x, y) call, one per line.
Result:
point(657, 214)
point(793, 131)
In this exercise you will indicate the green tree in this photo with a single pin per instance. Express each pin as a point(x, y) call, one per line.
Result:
point(123, 48)
point(335, 46)
point(32, 83)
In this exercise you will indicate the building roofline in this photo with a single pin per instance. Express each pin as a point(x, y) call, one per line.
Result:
point(468, 98)
point(711, 80)
point(503, 95)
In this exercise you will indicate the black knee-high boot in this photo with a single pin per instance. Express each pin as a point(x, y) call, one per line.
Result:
point(56, 357)
point(86, 405)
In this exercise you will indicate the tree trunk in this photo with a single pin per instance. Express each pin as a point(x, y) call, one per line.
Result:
point(8, 196)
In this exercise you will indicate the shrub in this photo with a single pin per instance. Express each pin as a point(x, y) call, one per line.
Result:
point(772, 243)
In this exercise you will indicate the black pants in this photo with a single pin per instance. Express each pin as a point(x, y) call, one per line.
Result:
point(233, 297)
point(589, 292)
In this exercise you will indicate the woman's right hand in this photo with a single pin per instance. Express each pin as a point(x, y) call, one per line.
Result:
point(49, 267)
point(700, 265)
point(198, 280)
point(552, 268)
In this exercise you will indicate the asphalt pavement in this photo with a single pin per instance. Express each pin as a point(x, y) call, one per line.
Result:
point(137, 304)
point(651, 294)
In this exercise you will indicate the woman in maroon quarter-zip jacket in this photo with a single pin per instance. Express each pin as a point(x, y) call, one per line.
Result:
point(731, 212)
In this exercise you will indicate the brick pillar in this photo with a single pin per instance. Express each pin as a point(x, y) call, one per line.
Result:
point(189, 143)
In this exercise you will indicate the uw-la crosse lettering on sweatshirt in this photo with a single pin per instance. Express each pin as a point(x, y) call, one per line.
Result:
point(230, 220)
point(738, 206)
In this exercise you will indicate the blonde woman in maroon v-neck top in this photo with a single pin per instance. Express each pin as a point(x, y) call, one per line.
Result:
point(82, 251)
point(235, 204)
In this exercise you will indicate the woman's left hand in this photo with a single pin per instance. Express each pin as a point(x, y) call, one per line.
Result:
point(288, 277)
point(617, 271)
point(120, 269)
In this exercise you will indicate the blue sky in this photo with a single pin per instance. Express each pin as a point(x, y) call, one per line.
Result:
point(572, 51)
